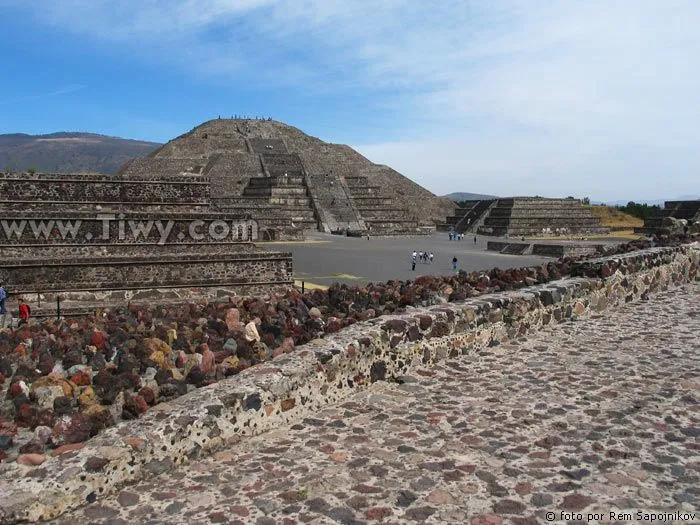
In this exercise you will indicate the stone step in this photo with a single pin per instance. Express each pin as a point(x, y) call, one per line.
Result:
point(276, 191)
point(366, 202)
point(383, 213)
point(293, 180)
point(367, 191)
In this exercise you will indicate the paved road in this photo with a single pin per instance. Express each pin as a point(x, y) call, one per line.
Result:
point(589, 417)
point(380, 259)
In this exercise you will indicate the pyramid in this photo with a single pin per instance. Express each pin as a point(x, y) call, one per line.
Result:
point(289, 181)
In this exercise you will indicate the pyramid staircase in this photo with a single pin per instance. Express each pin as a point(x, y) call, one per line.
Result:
point(469, 217)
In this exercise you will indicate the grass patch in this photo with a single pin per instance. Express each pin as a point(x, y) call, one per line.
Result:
point(309, 286)
point(346, 276)
point(614, 218)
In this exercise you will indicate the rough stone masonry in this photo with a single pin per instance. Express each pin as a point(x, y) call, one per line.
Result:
point(297, 386)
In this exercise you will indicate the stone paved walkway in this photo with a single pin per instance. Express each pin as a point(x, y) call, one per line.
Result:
point(589, 417)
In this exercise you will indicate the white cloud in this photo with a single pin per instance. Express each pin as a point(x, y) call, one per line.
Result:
point(596, 97)
point(63, 90)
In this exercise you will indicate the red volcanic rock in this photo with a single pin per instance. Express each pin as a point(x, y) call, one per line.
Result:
point(134, 406)
point(62, 406)
point(46, 365)
point(73, 429)
point(81, 378)
point(72, 358)
point(208, 360)
point(27, 416)
point(333, 325)
point(233, 319)
point(32, 447)
point(148, 395)
point(98, 339)
point(15, 389)
point(99, 418)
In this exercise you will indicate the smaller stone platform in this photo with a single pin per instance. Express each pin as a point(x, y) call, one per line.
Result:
point(544, 249)
point(539, 216)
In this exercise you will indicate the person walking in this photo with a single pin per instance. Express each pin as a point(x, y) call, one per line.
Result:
point(430, 257)
point(3, 310)
point(24, 312)
point(454, 263)
point(475, 239)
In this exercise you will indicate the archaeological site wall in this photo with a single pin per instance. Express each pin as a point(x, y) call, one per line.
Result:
point(545, 250)
point(102, 189)
point(90, 274)
point(71, 234)
point(296, 385)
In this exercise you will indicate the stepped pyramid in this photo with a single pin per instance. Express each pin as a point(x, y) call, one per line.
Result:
point(538, 216)
point(289, 181)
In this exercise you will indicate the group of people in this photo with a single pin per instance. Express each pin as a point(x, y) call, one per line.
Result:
point(427, 258)
point(454, 236)
point(24, 309)
point(423, 257)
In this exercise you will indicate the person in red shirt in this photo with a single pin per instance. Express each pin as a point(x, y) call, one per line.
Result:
point(24, 312)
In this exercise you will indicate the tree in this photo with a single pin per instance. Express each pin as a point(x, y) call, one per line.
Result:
point(643, 211)
point(31, 171)
point(587, 201)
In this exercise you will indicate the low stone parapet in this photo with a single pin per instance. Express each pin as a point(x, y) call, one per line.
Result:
point(160, 270)
point(297, 385)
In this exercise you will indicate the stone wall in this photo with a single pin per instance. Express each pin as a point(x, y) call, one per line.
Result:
point(159, 271)
point(544, 250)
point(97, 189)
point(294, 386)
point(68, 251)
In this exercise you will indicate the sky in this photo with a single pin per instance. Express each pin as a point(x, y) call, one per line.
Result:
point(597, 98)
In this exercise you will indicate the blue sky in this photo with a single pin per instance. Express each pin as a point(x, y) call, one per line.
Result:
point(585, 98)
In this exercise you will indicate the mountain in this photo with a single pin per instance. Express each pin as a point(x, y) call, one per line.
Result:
point(462, 196)
point(68, 152)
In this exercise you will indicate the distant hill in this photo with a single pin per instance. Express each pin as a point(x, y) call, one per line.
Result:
point(68, 152)
point(650, 202)
point(461, 196)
